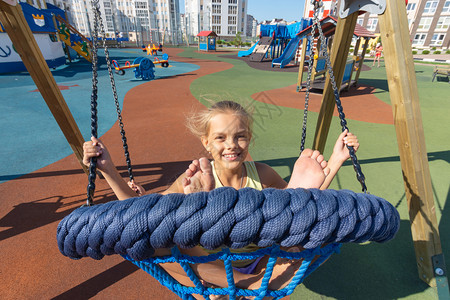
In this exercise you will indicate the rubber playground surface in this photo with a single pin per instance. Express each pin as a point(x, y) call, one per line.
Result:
point(42, 181)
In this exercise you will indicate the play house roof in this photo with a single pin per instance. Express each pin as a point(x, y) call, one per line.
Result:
point(329, 24)
point(207, 33)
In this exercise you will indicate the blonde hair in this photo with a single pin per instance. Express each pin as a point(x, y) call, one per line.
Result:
point(198, 123)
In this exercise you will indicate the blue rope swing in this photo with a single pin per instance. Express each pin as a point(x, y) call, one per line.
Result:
point(226, 217)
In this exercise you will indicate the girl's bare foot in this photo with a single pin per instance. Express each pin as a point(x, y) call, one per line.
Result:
point(199, 177)
point(310, 170)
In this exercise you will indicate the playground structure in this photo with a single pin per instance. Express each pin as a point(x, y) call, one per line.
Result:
point(143, 66)
point(404, 98)
point(152, 49)
point(74, 39)
point(353, 64)
point(277, 42)
point(207, 41)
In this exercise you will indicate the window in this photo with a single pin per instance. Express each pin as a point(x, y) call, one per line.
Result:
point(372, 24)
point(216, 1)
point(216, 9)
point(360, 21)
point(232, 1)
point(411, 6)
point(443, 23)
point(231, 29)
point(232, 10)
point(232, 20)
point(419, 39)
point(430, 7)
point(446, 8)
point(425, 23)
point(437, 39)
point(216, 29)
point(216, 19)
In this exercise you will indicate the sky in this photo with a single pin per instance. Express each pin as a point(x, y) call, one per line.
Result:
point(290, 10)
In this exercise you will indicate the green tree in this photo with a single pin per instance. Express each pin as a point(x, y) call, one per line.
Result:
point(238, 39)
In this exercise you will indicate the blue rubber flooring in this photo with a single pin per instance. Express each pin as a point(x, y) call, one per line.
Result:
point(31, 138)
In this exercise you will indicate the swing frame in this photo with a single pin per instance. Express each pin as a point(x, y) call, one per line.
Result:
point(404, 99)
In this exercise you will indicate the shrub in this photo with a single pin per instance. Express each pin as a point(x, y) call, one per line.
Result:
point(447, 52)
point(414, 52)
point(437, 52)
point(367, 51)
point(426, 52)
point(434, 48)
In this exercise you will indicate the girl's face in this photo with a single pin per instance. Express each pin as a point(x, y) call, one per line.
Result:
point(228, 140)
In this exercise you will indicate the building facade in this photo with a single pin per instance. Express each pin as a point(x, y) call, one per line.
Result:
point(141, 21)
point(225, 17)
point(429, 21)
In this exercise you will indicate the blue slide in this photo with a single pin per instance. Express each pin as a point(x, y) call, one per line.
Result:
point(247, 52)
point(288, 53)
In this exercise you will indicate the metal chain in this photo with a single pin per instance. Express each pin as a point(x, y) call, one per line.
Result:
point(356, 166)
point(116, 101)
point(308, 86)
point(94, 123)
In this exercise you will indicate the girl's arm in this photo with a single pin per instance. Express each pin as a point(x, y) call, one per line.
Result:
point(340, 155)
point(269, 177)
point(95, 148)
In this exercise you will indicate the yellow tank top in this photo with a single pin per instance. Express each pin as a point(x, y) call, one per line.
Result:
point(252, 180)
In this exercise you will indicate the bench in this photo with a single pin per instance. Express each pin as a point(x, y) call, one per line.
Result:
point(442, 71)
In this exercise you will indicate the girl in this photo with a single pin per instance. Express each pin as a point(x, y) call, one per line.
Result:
point(378, 51)
point(225, 132)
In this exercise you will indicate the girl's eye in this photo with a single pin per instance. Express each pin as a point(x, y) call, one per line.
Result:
point(219, 137)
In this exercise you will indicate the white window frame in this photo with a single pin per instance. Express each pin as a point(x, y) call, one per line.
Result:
point(419, 39)
point(443, 23)
point(372, 24)
point(446, 7)
point(430, 7)
point(411, 6)
point(216, 9)
point(425, 23)
point(435, 40)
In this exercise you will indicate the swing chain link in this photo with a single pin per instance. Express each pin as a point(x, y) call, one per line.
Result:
point(308, 88)
point(94, 97)
point(116, 100)
point(98, 24)
point(356, 166)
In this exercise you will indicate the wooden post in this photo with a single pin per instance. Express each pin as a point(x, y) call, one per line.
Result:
point(317, 52)
point(339, 52)
point(19, 32)
point(410, 136)
point(361, 61)
point(355, 58)
point(302, 64)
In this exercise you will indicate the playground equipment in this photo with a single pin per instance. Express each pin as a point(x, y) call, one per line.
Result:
point(404, 97)
point(73, 38)
point(244, 53)
point(143, 66)
point(278, 41)
point(329, 25)
point(207, 41)
point(152, 50)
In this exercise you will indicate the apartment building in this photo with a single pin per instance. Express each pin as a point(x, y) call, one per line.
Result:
point(141, 21)
point(429, 21)
point(224, 17)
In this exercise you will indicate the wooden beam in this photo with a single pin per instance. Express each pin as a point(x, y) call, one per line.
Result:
point(410, 136)
point(302, 64)
point(361, 61)
point(339, 53)
point(19, 32)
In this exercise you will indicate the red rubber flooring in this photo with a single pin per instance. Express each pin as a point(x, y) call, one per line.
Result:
point(31, 266)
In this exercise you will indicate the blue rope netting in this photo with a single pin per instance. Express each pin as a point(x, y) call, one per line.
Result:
point(134, 228)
